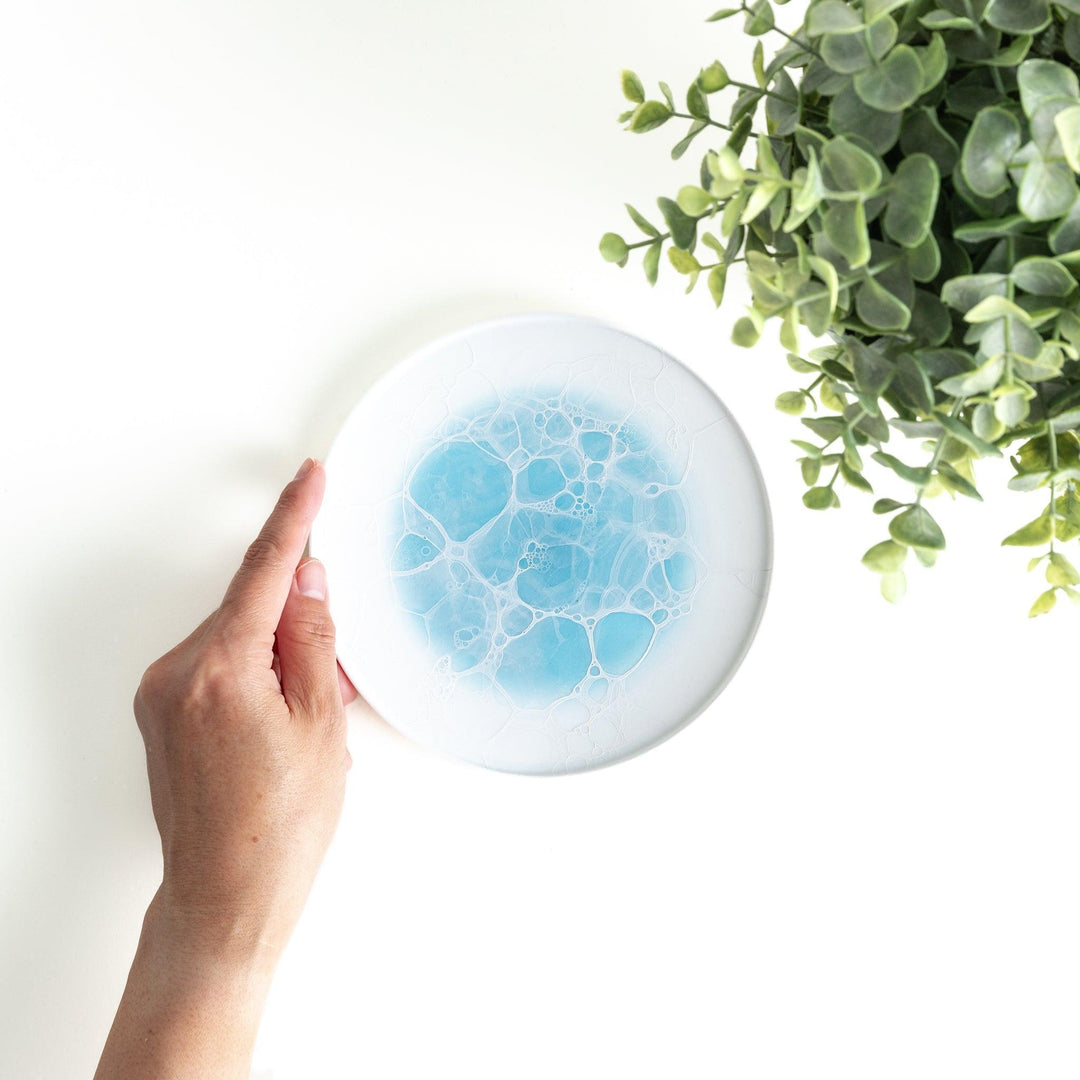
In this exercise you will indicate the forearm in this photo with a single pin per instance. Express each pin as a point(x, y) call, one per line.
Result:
point(192, 1004)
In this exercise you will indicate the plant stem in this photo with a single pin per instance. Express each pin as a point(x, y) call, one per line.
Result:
point(701, 120)
point(804, 45)
point(764, 93)
point(651, 240)
point(939, 449)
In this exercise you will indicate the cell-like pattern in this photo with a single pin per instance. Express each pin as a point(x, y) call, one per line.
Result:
point(542, 548)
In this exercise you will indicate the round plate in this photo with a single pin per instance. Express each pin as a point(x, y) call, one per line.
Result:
point(548, 544)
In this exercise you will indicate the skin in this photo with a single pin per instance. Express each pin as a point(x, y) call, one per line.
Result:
point(244, 726)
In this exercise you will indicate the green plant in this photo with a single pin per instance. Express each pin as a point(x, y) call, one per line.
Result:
point(912, 199)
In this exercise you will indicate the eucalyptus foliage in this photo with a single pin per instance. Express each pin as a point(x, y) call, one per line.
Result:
point(900, 179)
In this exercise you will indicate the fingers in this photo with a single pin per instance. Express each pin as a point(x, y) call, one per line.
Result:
point(305, 647)
point(257, 594)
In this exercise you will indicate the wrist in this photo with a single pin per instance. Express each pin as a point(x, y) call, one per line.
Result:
point(201, 946)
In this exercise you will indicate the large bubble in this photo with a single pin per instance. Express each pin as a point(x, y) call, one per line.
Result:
point(544, 547)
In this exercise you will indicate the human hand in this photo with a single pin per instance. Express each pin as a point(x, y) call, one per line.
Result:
point(244, 727)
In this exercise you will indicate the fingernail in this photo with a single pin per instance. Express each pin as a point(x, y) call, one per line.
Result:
point(311, 579)
point(309, 464)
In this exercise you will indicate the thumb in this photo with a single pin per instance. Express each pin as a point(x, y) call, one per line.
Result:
point(305, 646)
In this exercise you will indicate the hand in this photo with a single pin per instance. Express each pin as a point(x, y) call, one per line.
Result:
point(244, 727)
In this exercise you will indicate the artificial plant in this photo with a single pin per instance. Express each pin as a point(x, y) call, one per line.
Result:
point(900, 180)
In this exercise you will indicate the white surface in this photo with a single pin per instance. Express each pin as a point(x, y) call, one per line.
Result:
point(479, 382)
point(219, 223)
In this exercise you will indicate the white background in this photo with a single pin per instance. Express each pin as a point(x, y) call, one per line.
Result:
point(219, 223)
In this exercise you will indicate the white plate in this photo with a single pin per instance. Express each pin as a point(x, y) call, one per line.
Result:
point(548, 544)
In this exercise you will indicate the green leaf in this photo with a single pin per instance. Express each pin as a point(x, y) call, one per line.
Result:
point(827, 272)
point(927, 556)
point(1029, 481)
point(793, 403)
point(1042, 277)
point(935, 62)
point(832, 17)
point(876, 9)
point(844, 225)
point(946, 20)
point(1041, 80)
point(746, 332)
point(820, 498)
point(683, 261)
point(886, 557)
point(1044, 604)
point(810, 468)
point(809, 194)
point(855, 478)
point(878, 308)
point(651, 262)
point(647, 227)
point(711, 241)
point(912, 200)
point(761, 196)
point(996, 307)
point(1013, 55)
point(1034, 533)
point(980, 381)
point(964, 292)
point(887, 506)
point(848, 168)
point(713, 78)
point(759, 18)
point(991, 143)
point(894, 586)
point(613, 248)
point(1018, 16)
point(1067, 123)
point(692, 132)
point(850, 115)
point(723, 13)
point(683, 228)
point(894, 84)
point(963, 434)
point(1066, 421)
point(649, 115)
point(697, 105)
point(825, 427)
point(694, 201)
point(1060, 571)
point(847, 54)
point(922, 132)
point(668, 97)
point(919, 477)
point(632, 88)
point(716, 281)
point(873, 372)
point(958, 482)
point(916, 528)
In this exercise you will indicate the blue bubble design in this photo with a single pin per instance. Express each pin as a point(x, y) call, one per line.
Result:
point(541, 548)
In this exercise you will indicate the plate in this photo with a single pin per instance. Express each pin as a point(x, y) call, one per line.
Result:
point(548, 544)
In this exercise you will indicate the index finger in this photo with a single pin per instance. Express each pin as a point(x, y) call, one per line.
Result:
point(257, 592)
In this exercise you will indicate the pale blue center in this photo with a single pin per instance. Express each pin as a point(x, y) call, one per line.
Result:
point(543, 545)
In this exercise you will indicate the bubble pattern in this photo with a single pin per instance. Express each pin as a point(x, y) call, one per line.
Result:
point(543, 547)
